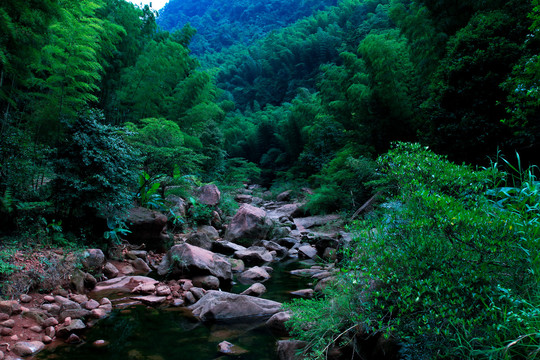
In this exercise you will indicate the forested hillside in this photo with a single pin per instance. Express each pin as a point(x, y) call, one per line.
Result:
point(221, 24)
point(105, 105)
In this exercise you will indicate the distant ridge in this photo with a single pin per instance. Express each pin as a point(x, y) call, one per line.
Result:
point(222, 23)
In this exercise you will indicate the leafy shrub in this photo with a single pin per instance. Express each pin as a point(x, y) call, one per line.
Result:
point(447, 270)
point(241, 171)
point(96, 170)
point(199, 214)
point(165, 147)
point(345, 184)
point(323, 323)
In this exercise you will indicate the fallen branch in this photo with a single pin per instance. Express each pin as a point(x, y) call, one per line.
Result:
point(366, 205)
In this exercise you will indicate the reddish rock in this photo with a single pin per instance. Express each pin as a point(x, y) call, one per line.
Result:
point(248, 224)
point(256, 289)
point(237, 265)
point(304, 293)
point(140, 266)
point(288, 349)
point(253, 275)
point(10, 307)
point(254, 255)
point(25, 298)
point(150, 300)
point(209, 195)
point(91, 305)
point(210, 231)
point(36, 329)
point(125, 284)
point(185, 259)
point(243, 198)
point(99, 313)
point(93, 259)
point(110, 271)
point(228, 348)
point(46, 339)
point(27, 348)
point(200, 239)
point(50, 331)
point(226, 247)
point(163, 290)
point(307, 251)
point(73, 339)
point(276, 323)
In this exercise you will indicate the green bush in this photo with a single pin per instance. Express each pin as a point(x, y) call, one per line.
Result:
point(96, 171)
point(344, 184)
point(445, 267)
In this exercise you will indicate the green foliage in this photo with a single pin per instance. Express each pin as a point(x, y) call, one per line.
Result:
point(344, 184)
point(220, 24)
point(6, 266)
point(489, 46)
point(149, 194)
point(199, 214)
point(322, 323)
point(239, 171)
point(95, 170)
point(162, 144)
point(445, 268)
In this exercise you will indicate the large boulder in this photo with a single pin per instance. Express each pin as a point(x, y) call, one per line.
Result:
point(284, 196)
point(210, 231)
point(200, 239)
point(226, 247)
point(311, 221)
point(223, 306)
point(254, 275)
point(254, 255)
point(178, 205)
point(93, 259)
point(186, 259)
point(27, 348)
point(288, 211)
point(288, 349)
point(248, 224)
point(209, 195)
point(148, 227)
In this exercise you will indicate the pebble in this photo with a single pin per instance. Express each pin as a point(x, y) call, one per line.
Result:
point(50, 331)
point(48, 298)
point(50, 322)
point(8, 323)
point(91, 305)
point(36, 329)
point(46, 339)
point(73, 339)
point(25, 298)
point(100, 343)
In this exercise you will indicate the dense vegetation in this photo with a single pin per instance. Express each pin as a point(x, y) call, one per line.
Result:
point(101, 108)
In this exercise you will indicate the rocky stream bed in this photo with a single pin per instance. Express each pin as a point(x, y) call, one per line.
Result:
point(202, 298)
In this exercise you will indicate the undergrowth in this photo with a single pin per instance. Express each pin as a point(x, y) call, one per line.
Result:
point(450, 270)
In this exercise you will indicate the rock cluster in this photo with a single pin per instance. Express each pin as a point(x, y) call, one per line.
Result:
point(196, 268)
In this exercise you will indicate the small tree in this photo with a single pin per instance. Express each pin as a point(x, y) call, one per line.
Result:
point(95, 170)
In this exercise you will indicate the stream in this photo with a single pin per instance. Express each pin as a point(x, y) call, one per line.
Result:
point(139, 332)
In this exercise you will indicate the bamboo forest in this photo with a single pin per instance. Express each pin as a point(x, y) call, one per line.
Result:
point(248, 179)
